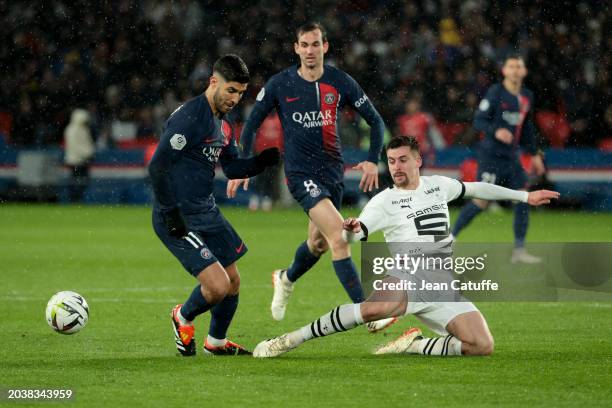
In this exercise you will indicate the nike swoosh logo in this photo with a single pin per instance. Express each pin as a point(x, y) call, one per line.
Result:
point(291, 99)
point(239, 249)
point(406, 206)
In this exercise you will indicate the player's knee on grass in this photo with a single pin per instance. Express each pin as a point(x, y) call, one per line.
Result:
point(486, 345)
point(480, 346)
point(317, 246)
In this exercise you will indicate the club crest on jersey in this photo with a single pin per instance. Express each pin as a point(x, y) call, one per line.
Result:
point(330, 98)
point(178, 141)
point(312, 188)
point(205, 253)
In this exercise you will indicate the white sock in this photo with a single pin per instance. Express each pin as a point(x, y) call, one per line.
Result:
point(215, 342)
point(342, 318)
point(437, 346)
point(285, 280)
point(182, 319)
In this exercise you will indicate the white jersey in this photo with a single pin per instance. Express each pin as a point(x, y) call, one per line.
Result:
point(419, 215)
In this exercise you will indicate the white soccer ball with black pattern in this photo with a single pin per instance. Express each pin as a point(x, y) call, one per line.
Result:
point(67, 312)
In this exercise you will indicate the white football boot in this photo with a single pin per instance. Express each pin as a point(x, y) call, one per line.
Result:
point(274, 347)
point(521, 255)
point(282, 290)
point(401, 344)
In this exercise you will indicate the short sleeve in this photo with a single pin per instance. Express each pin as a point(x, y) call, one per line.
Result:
point(373, 216)
point(451, 188)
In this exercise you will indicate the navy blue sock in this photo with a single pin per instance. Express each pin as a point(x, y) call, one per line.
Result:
point(302, 262)
point(347, 274)
point(467, 214)
point(195, 305)
point(221, 316)
point(521, 221)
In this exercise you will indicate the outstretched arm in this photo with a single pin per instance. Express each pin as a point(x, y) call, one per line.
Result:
point(487, 191)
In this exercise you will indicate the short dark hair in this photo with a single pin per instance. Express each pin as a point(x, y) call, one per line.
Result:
point(513, 55)
point(311, 26)
point(232, 68)
point(399, 141)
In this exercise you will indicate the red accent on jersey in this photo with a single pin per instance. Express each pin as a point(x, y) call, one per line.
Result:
point(523, 110)
point(329, 108)
point(226, 129)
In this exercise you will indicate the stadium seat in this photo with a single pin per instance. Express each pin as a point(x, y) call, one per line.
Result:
point(451, 130)
point(137, 143)
point(606, 144)
point(469, 170)
point(554, 126)
point(6, 124)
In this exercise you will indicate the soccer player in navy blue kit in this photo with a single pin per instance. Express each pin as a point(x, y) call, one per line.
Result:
point(505, 117)
point(308, 98)
point(185, 217)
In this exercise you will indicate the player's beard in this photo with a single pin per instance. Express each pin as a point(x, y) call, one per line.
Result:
point(404, 181)
point(220, 104)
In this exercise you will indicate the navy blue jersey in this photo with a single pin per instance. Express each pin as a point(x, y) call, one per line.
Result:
point(309, 113)
point(502, 109)
point(183, 167)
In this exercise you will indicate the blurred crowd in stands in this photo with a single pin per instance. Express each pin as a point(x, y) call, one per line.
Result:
point(425, 64)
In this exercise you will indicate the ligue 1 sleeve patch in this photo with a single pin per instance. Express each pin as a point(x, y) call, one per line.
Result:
point(261, 95)
point(178, 141)
point(484, 105)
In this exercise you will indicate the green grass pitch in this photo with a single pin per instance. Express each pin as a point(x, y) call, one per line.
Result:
point(554, 354)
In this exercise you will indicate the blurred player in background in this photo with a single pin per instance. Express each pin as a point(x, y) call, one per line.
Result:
point(505, 118)
point(185, 216)
point(308, 98)
point(394, 211)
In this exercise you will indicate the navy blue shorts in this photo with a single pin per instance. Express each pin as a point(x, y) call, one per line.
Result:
point(308, 191)
point(504, 173)
point(200, 249)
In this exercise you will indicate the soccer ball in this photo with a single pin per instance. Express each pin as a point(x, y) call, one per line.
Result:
point(67, 312)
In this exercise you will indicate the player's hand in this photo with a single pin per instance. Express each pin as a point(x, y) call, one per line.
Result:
point(352, 225)
point(268, 157)
point(234, 185)
point(541, 197)
point(503, 135)
point(369, 180)
point(538, 164)
point(175, 223)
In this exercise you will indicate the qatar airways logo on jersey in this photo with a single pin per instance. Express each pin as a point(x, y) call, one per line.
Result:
point(313, 118)
point(512, 118)
point(212, 153)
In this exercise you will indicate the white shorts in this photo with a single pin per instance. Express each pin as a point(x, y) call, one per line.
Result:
point(437, 315)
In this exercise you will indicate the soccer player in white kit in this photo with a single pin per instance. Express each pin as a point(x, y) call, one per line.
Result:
point(462, 327)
